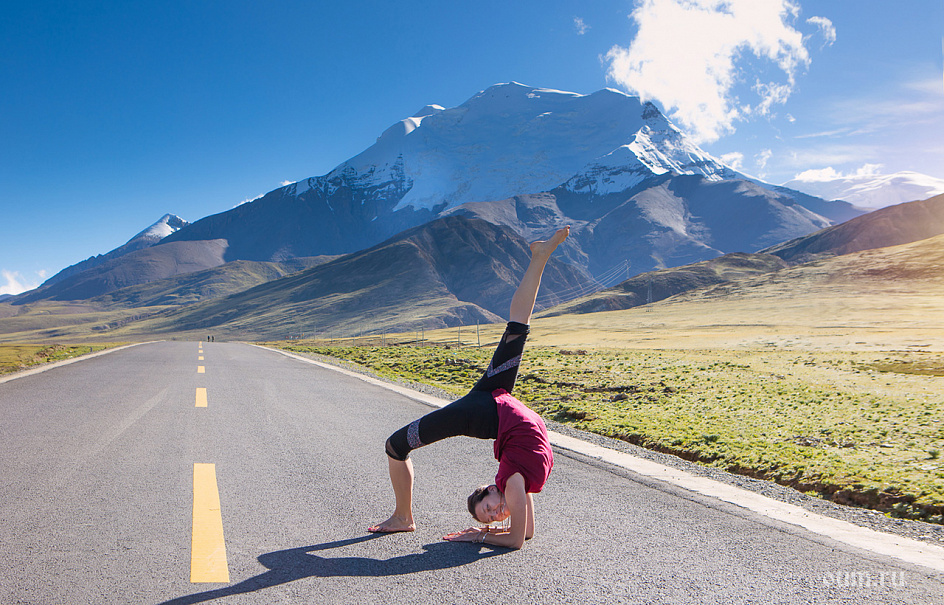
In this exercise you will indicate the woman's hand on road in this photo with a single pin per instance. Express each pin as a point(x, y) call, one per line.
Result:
point(473, 534)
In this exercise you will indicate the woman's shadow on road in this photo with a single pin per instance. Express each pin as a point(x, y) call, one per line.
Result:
point(297, 563)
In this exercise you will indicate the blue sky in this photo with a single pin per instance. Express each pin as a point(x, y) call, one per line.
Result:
point(115, 113)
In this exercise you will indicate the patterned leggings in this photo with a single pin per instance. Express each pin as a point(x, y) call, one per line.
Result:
point(475, 415)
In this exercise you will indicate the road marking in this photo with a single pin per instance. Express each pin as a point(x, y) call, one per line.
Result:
point(201, 401)
point(891, 545)
point(201, 370)
point(208, 550)
point(200, 358)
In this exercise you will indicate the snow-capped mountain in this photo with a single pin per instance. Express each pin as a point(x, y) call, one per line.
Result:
point(513, 139)
point(870, 191)
point(166, 225)
point(169, 223)
point(506, 141)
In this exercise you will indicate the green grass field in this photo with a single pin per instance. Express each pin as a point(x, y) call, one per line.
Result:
point(858, 428)
point(16, 357)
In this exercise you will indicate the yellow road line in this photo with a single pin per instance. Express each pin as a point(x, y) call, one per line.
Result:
point(208, 550)
point(201, 370)
point(201, 400)
point(200, 358)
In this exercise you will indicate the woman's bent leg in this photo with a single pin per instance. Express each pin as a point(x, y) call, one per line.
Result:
point(475, 415)
point(401, 476)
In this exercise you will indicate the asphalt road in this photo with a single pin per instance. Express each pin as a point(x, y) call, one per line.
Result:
point(97, 497)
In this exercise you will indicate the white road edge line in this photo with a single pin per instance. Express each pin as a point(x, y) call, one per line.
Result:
point(899, 547)
point(65, 362)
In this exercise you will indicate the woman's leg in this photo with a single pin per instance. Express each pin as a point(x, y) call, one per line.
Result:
point(474, 415)
point(522, 303)
point(502, 370)
point(401, 476)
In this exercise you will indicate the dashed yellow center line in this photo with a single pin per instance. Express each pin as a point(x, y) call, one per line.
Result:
point(201, 370)
point(201, 399)
point(200, 358)
point(208, 550)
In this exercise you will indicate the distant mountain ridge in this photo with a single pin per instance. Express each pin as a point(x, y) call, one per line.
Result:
point(891, 226)
point(871, 191)
point(451, 271)
point(166, 225)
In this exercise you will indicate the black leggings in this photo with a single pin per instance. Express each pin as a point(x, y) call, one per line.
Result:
point(476, 414)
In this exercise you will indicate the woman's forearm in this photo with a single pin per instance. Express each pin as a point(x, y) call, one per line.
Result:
point(501, 538)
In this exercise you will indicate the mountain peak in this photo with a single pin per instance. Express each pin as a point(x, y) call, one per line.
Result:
point(509, 139)
point(167, 224)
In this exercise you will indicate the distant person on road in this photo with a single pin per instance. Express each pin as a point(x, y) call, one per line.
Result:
point(488, 412)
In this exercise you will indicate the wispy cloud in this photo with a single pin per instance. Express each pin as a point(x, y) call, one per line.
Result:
point(250, 199)
point(838, 154)
point(761, 160)
point(734, 160)
point(826, 28)
point(13, 283)
point(830, 174)
point(686, 55)
point(580, 26)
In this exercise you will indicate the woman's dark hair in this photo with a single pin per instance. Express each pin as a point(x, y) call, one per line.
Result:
point(475, 497)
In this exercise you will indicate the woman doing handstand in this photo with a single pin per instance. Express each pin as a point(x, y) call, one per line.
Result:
point(488, 412)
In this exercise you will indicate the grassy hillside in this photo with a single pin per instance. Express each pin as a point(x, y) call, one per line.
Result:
point(233, 277)
point(658, 285)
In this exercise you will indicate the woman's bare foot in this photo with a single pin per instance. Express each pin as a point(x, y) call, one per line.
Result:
point(546, 247)
point(392, 525)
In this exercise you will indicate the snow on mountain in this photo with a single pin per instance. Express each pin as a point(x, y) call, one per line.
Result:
point(513, 139)
point(871, 191)
point(657, 148)
point(169, 223)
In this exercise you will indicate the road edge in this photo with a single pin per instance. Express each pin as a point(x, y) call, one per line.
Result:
point(58, 364)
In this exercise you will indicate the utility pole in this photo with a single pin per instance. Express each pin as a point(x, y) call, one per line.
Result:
point(649, 296)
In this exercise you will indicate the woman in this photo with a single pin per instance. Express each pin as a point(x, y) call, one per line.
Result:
point(488, 412)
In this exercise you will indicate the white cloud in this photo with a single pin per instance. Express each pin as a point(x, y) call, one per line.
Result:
point(580, 26)
point(734, 160)
point(686, 55)
point(763, 157)
point(826, 27)
point(830, 174)
point(14, 282)
point(250, 199)
point(284, 183)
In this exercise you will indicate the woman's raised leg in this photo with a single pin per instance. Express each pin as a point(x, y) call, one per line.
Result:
point(522, 303)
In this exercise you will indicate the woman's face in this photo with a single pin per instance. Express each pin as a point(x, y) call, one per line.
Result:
point(492, 507)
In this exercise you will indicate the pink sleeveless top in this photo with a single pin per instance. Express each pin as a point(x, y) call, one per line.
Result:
point(522, 445)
